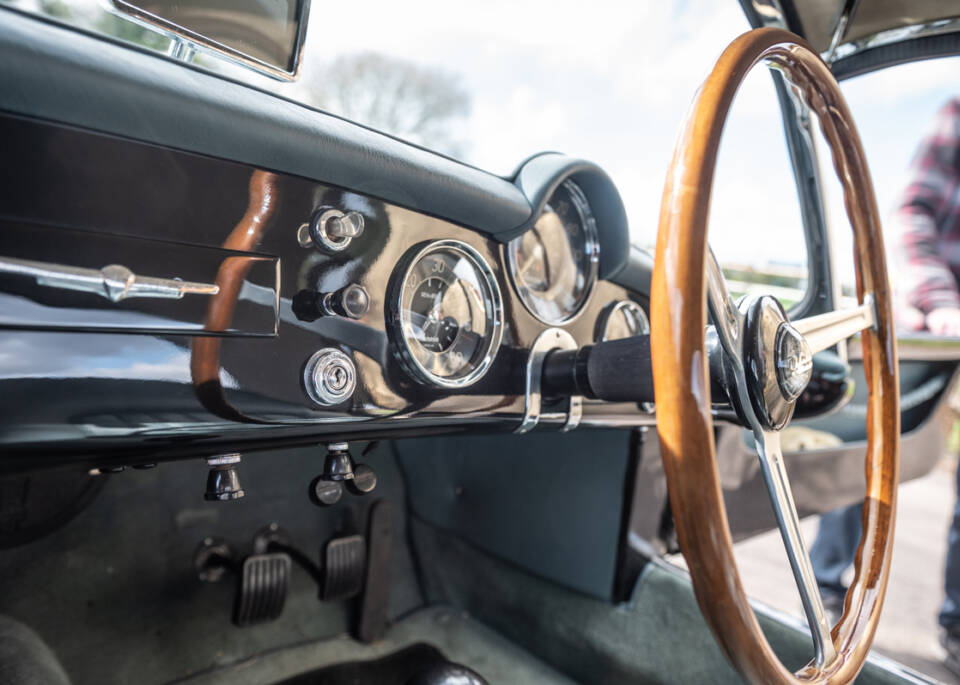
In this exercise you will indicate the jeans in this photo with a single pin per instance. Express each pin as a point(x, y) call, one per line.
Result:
point(836, 546)
point(833, 551)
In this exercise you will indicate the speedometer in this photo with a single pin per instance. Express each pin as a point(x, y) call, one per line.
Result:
point(554, 264)
point(449, 318)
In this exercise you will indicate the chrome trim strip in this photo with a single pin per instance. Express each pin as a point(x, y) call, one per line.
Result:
point(114, 282)
point(840, 27)
point(890, 36)
point(185, 41)
point(769, 12)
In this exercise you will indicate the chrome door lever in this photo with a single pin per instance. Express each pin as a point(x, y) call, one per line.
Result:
point(114, 281)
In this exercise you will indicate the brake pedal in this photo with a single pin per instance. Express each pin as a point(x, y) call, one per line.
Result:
point(345, 559)
point(262, 591)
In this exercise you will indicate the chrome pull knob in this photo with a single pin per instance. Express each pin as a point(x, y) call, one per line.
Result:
point(114, 282)
point(350, 225)
point(351, 302)
point(331, 229)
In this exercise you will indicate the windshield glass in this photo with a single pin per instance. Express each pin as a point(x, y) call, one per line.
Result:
point(500, 82)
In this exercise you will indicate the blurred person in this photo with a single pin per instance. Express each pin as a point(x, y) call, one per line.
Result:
point(925, 231)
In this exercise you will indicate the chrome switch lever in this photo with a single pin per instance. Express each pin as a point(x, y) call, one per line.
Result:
point(114, 281)
point(348, 225)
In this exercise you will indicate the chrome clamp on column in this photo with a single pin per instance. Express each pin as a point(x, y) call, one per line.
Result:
point(551, 339)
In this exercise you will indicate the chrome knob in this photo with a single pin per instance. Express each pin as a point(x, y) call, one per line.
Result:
point(339, 225)
point(331, 229)
point(329, 377)
point(352, 302)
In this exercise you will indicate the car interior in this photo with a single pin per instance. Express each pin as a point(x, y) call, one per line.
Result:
point(286, 399)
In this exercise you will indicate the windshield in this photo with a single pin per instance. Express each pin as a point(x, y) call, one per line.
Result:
point(503, 81)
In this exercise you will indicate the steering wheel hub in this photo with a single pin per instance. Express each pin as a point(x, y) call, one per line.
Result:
point(777, 361)
point(793, 360)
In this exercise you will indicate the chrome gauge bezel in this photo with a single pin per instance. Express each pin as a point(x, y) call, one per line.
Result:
point(592, 243)
point(603, 323)
point(602, 332)
point(493, 315)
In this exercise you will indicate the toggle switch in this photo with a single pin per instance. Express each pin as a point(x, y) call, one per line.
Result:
point(330, 229)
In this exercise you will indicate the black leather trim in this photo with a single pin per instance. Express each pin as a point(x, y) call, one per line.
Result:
point(872, 59)
point(56, 73)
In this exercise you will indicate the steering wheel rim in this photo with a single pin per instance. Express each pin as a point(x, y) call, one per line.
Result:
point(685, 278)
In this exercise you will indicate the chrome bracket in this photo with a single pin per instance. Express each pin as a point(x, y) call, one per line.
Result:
point(548, 340)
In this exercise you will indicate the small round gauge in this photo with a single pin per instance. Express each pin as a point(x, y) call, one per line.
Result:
point(554, 264)
point(449, 318)
point(622, 319)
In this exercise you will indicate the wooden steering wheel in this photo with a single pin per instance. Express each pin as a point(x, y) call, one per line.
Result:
point(766, 360)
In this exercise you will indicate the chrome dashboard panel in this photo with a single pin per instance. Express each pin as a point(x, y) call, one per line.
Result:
point(142, 395)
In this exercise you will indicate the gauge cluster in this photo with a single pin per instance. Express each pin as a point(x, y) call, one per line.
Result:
point(448, 312)
point(449, 319)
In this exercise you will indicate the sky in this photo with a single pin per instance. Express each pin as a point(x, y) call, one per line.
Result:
point(610, 81)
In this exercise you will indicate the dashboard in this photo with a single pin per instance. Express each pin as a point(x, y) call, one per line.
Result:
point(158, 303)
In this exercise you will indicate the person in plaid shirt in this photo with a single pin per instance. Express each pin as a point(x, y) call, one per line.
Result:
point(925, 245)
point(926, 228)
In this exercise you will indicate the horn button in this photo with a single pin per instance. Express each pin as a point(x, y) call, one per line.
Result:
point(777, 360)
point(794, 361)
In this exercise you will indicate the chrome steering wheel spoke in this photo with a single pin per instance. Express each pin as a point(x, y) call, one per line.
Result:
point(823, 331)
point(726, 315)
point(781, 497)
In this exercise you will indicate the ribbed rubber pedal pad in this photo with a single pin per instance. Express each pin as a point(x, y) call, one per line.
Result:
point(345, 560)
point(264, 579)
